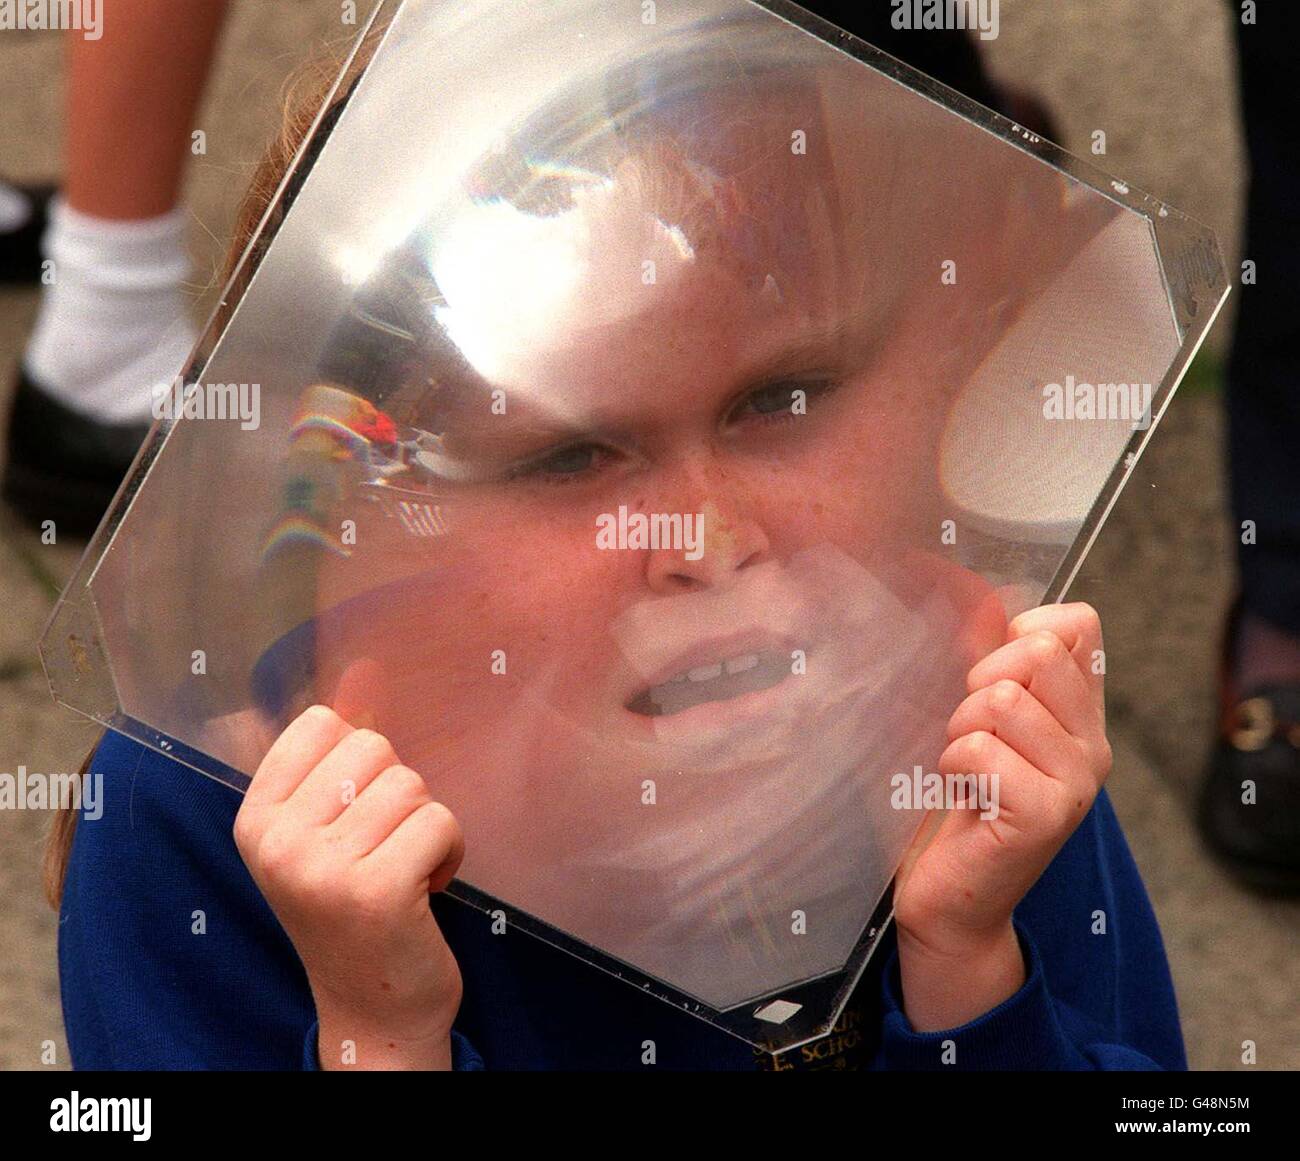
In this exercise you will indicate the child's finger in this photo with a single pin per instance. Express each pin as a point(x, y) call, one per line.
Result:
point(295, 753)
point(389, 799)
point(1007, 710)
point(341, 775)
point(1079, 627)
point(1042, 664)
point(1023, 795)
point(426, 849)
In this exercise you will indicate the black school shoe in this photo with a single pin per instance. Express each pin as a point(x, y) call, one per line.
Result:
point(20, 250)
point(62, 465)
point(1257, 754)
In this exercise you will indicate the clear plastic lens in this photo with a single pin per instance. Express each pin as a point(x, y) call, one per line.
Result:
point(655, 421)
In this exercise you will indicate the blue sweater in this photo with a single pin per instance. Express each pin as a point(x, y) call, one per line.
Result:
point(149, 983)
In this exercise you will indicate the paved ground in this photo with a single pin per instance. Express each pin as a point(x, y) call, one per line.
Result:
point(1158, 79)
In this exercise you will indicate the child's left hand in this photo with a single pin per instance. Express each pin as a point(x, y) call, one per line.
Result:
point(1036, 716)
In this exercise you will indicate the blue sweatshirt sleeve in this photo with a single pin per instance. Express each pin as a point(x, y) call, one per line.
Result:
point(169, 956)
point(1097, 994)
point(463, 1056)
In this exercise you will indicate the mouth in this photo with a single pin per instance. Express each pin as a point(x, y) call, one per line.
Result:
point(723, 680)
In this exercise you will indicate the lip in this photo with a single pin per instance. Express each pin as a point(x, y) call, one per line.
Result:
point(720, 719)
point(712, 652)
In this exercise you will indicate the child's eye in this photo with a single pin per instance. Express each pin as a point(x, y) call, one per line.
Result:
point(563, 465)
point(785, 400)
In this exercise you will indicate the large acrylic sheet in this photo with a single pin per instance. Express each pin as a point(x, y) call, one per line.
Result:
point(650, 413)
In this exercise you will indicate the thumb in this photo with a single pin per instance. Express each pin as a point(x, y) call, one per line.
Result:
point(925, 835)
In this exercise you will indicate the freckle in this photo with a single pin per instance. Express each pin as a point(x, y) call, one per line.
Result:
point(1079, 805)
point(391, 1044)
point(386, 985)
point(819, 509)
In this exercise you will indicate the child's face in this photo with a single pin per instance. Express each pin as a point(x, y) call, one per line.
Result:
point(683, 713)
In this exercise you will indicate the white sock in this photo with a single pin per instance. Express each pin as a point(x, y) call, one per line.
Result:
point(15, 208)
point(115, 322)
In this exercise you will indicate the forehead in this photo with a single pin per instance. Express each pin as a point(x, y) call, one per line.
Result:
point(696, 245)
point(691, 348)
point(651, 237)
point(676, 253)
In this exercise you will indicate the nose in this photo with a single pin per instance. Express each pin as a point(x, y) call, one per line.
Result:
point(725, 537)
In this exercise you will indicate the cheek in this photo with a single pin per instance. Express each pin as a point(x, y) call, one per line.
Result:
point(868, 481)
point(545, 596)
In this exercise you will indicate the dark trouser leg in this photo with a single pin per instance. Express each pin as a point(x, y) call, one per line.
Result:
point(1264, 368)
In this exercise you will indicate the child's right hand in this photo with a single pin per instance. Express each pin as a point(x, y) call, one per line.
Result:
point(347, 844)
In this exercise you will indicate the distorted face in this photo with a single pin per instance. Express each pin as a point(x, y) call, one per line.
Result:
point(772, 412)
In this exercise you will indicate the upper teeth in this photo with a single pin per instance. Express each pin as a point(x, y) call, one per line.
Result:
point(709, 672)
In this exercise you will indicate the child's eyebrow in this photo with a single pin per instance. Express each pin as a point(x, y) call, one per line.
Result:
point(840, 348)
point(834, 347)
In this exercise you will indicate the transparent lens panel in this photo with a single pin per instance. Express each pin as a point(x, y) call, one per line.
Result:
point(645, 426)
